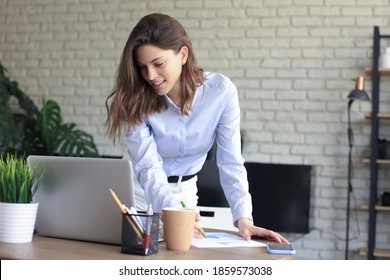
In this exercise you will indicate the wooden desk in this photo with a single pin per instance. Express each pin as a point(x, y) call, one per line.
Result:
point(46, 248)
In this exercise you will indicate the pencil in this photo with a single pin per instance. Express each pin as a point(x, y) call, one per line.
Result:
point(199, 228)
point(123, 210)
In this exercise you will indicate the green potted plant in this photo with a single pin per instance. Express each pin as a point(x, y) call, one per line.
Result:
point(18, 184)
point(26, 130)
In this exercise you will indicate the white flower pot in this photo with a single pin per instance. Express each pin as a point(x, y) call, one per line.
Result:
point(17, 222)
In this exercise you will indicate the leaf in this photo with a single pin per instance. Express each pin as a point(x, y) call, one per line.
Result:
point(4, 95)
point(73, 142)
point(17, 182)
point(49, 121)
point(50, 117)
point(11, 133)
point(26, 103)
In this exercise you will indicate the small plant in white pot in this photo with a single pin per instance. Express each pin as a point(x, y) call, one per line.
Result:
point(18, 185)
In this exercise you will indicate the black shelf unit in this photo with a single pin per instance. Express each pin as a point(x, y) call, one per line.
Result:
point(375, 116)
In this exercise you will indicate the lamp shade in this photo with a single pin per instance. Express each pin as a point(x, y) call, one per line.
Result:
point(359, 93)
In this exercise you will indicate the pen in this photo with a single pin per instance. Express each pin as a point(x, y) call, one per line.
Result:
point(134, 218)
point(199, 228)
point(147, 230)
point(134, 212)
point(123, 210)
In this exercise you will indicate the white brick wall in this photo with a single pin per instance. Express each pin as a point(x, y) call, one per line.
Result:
point(293, 63)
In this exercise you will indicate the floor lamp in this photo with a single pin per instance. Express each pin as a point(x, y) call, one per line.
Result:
point(357, 94)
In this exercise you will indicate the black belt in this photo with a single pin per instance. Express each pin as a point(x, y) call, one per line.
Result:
point(175, 179)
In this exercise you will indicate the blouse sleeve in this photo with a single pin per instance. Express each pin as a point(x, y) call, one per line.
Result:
point(147, 165)
point(230, 162)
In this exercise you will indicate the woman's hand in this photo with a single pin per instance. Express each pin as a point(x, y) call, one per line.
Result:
point(197, 233)
point(247, 230)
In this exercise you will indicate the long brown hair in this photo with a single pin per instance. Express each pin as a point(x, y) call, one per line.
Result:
point(132, 98)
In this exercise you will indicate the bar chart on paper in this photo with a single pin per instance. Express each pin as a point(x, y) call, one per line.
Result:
point(224, 240)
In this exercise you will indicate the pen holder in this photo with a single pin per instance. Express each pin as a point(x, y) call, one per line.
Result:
point(140, 234)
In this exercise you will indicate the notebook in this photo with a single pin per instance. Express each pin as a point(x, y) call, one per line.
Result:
point(75, 201)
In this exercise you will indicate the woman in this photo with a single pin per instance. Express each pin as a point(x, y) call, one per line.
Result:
point(171, 111)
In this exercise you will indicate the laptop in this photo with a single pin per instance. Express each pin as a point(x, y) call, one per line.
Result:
point(75, 201)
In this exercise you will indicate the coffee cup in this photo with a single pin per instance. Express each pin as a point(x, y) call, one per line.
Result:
point(178, 226)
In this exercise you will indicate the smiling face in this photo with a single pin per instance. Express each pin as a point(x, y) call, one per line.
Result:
point(162, 68)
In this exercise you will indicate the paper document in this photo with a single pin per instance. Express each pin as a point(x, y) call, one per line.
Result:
point(224, 240)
